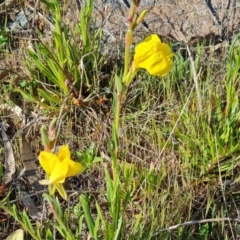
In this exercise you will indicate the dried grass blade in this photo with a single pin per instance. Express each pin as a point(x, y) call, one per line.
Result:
point(9, 156)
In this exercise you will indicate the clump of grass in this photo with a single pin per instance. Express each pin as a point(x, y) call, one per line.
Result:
point(66, 68)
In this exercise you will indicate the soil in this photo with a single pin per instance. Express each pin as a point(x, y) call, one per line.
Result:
point(182, 20)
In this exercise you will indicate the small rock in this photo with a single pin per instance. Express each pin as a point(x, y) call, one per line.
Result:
point(23, 17)
point(13, 27)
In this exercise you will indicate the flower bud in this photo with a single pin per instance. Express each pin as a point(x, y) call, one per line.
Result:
point(129, 38)
point(132, 12)
point(44, 138)
point(129, 77)
point(141, 16)
point(52, 129)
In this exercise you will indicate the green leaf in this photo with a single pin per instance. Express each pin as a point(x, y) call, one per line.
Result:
point(118, 83)
point(48, 234)
point(48, 96)
point(80, 225)
point(59, 47)
point(43, 69)
point(109, 187)
point(26, 220)
point(97, 159)
point(57, 77)
point(27, 96)
point(117, 234)
point(31, 98)
point(50, 5)
point(136, 225)
point(87, 214)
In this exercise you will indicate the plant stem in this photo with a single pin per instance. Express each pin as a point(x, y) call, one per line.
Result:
point(117, 120)
point(126, 60)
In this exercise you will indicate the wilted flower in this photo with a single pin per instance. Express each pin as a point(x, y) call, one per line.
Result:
point(58, 167)
point(154, 56)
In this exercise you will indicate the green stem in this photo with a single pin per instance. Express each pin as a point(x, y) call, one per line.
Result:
point(52, 190)
point(118, 108)
point(128, 40)
point(116, 119)
point(126, 60)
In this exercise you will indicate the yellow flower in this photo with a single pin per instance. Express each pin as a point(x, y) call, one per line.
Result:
point(58, 167)
point(154, 56)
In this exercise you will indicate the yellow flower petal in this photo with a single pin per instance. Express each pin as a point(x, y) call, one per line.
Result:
point(74, 168)
point(59, 172)
point(63, 153)
point(61, 190)
point(47, 161)
point(154, 56)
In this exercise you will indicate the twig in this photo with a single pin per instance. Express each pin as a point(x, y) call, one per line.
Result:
point(10, 167)
point(35, 12)
point(213, 15)
point(196, 222)
point(41, 16)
